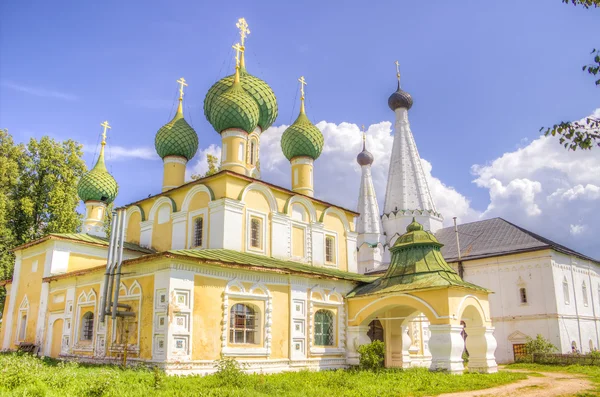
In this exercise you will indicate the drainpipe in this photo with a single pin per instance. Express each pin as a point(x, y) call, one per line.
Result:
point(111, 248)
point(118, 267)
point(576, 308)
point(115, 235)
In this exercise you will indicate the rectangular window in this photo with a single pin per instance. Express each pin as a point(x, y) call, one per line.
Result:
point(255, 233)
point(252, 152)
point(198, 231)
point(241, 152)
point(23, 327)
point(224, 152)
point(330, 249)
point(566, 291)
point(523, 294)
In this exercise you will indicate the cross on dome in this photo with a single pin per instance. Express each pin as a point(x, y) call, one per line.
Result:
point(182, 84)
point(302, 84)
point(242, 25)
point(238, 49)
point(398, 71)
point(106, 127)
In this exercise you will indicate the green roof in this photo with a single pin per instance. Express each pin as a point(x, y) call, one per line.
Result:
point(88, 238)
point(302, 138)
point(176, 138)
point(254, 260)
point(98, 184)
point(255, 87)
point(417, 264)
point(234, 108)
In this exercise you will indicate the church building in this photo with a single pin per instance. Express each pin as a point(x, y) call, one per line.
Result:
point(232, 266)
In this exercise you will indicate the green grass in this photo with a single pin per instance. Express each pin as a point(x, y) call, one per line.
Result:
point(592, 372)
point(23, 375)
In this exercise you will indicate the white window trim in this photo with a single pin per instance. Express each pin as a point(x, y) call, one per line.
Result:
point(339, 322)
point(190, 233)
point(336, 249)
point(247, 296)
point(566, 292)
point(241, 152)
point(264, 237)
point(85, 303)
point(23, 309)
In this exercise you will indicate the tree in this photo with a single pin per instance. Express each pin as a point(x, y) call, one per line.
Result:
point(213, 167)
point(583, 134)
point(539, 345)
point(38, 193)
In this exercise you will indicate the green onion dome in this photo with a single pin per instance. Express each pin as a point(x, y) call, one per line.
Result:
point(176, 138)
point(302, 138)
point(259, 90)
point(98, 184)
point(234, 108)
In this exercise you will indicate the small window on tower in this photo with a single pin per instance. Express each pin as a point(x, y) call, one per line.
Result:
point(566, 291)
point(330, 249)
point(198, 231)
point(253, 152)
point(523, 294)
point(255, 233)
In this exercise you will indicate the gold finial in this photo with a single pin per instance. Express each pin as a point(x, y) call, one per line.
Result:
point(302, 84)
point(398, 71)
point(106, 127)
point(182, 84)
point(242, 25)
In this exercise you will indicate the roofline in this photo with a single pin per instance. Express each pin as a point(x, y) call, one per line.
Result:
point(485, 291)
point(170, 255)
point(240, 176)
point(61, 238)
point(521, 251)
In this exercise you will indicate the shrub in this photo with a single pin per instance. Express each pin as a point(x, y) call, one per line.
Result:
point(539, 345)
point(230, 371)
point(372, 355)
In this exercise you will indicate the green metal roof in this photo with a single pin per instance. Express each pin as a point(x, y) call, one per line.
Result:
point(234, 108)
point(302, 138)
point(258, 90)
point(416, 264)
point(88, 238)
point(176, 138)
point(253, 260)
point(98, 184)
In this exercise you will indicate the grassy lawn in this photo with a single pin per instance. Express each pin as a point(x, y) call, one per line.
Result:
point(29, 376)
point(593, 372)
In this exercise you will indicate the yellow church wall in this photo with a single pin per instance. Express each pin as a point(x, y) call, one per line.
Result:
point(56, 301)
point(162, 235)
point(208, 315)
point(134, 228)
point(298, 242)
point(280, 329)
point(80, 261)
point(333, 223)
point(30, 285)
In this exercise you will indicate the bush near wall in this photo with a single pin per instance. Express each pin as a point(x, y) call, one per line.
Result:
point(592, 358)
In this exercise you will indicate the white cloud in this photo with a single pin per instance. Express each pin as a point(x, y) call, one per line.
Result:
point(201, 165)
point(577, 229)
point(37, 91)
point(118, 153)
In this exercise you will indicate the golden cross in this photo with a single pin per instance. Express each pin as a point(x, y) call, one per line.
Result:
point(302, 84)
point(182, 84)
point(242, 25)
point(397, 70)
point(364, 135)
point(238, 48)
point(106, 126)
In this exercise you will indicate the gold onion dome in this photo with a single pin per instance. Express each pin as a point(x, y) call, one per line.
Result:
point(259, 90)
point(98, 184)
point(302, 138)
point(177, 137)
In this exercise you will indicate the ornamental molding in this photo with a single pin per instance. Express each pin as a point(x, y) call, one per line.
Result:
point(175, 159)
point(302, 160)
point(234, 132)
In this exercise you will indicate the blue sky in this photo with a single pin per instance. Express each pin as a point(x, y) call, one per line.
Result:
point(485, 76)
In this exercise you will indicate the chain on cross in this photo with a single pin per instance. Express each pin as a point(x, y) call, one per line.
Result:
point(242, 25)
point(182, 84)
point(106, 127)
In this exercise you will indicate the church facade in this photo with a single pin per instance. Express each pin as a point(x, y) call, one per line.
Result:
point(232, 266)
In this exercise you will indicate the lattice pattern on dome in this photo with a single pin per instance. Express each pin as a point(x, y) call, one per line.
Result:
point(234, 108)
point(256, 88)
point(302, 139)
point(176, 138)
point(97, 185)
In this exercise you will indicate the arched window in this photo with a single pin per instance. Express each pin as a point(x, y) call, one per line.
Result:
point(253, 152)
point(243, 324)
point(375, 331)
point(87, 326)
point(566, 290)
point(523, 295)
point(324, 328)
point(198, 230)
point(585, 294)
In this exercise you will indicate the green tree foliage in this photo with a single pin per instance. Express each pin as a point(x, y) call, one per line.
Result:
point(38, 192)
point(371, 356)
point(213, 167)
point(539, 345)
point(584, 134)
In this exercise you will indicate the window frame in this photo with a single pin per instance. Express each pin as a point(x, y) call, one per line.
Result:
point(198, 238)
point(318, 325)
point(264, 238)
point(254, 331)
point(523, 296)
point(333, 236)
point(202, 212)
point(85, 327)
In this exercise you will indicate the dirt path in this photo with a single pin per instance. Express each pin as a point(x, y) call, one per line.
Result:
point(552, 384)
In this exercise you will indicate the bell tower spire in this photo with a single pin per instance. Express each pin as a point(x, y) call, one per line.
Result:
point(407, 193)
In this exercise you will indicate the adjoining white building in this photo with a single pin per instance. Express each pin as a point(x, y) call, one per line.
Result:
point(540, 287)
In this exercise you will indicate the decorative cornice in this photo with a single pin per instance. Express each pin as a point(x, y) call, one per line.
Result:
point(234, 132)
point(175, 159)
